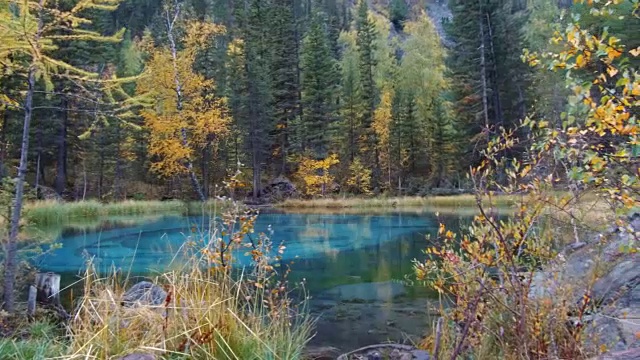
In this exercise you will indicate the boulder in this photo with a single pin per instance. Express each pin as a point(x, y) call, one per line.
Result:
point(615, 322)
point(278, 189)
point(144, 293)
point(633, 354)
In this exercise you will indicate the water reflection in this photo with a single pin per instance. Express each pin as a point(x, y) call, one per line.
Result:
point(355, 265)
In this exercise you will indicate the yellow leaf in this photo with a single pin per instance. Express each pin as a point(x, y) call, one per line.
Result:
point(635, 52)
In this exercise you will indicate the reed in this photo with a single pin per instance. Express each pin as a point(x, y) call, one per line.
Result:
point(45, 213)
point(212, 310)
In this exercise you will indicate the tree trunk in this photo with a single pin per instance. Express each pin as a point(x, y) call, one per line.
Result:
point(48, 285)
point(101, 165)
point(496, 88)
point(118, 170)
point(11, 247)
point(483, 73)
point(3, 137)
point(61, 173)
point(183, 132)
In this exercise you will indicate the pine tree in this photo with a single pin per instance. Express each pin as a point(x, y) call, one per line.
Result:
point(489, 78)
point(258, 125)
point(319, 86)
point(285, 90)
point(366, 36)
point(349, 95)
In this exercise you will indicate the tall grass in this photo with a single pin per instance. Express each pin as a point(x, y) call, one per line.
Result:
point(40, 341)
point(211, 311)
point(44, 213)
point(453, 201)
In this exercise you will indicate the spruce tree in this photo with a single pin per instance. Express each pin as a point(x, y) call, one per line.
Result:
point(319, 87)
point(285, 90)
point(366, 36)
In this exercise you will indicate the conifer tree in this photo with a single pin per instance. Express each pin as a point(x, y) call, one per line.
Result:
point(349, 95)
point(28, 32)
point(366, 35)
point(319, 87)
point(285, 89)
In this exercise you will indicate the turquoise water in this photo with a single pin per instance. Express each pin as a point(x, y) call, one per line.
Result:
point(356, 267)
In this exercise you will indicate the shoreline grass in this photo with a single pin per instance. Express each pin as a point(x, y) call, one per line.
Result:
point(449, 201)
point(44, 213)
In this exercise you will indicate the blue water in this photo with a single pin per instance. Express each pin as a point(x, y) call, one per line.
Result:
point(356, 267)
point(154, 245)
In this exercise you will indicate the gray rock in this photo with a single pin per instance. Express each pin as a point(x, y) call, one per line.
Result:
point(604, 330)
point(386, 351)
point(320, 353)
point(420, 355)
point(621, 275)
point(144, 293)
point(633, 354)
point(634, 221)
point(366, 292)
point(139, 356)
point(395, 354)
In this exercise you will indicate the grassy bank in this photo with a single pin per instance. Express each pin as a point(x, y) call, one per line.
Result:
point(45, 213)
point(202, 306)
point(453, 201)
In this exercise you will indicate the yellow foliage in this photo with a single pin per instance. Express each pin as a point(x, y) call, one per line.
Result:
point(180, 123)
point(359, 180)
point(382, 127)
point(315, 174)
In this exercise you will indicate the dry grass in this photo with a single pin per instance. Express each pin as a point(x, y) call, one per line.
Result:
point(44, 213)
point(210, 311)
point(454, 201)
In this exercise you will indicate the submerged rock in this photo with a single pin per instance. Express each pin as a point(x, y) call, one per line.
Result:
point(144, 293)
point(138, 356)
point(386, 351)
point(320, 353)
point(366, 292)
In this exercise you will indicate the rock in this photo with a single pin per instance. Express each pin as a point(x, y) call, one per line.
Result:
point(278, 189)
point(395, 354)
point(366, 292)
point(144, 293)
point(604, 330)
point(320, 353)
point(633, 354)
point(634, 221)
point(420, 355)
point(386, 351)
point(139, 356)
point(624, 273)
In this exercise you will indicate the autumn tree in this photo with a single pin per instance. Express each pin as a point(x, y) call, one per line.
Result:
point(382, 122)
point(492, 270)
point(315, 174)
point(29, 32)
point(186, 116)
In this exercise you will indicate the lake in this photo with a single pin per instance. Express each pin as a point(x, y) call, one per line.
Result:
point(357, 268)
